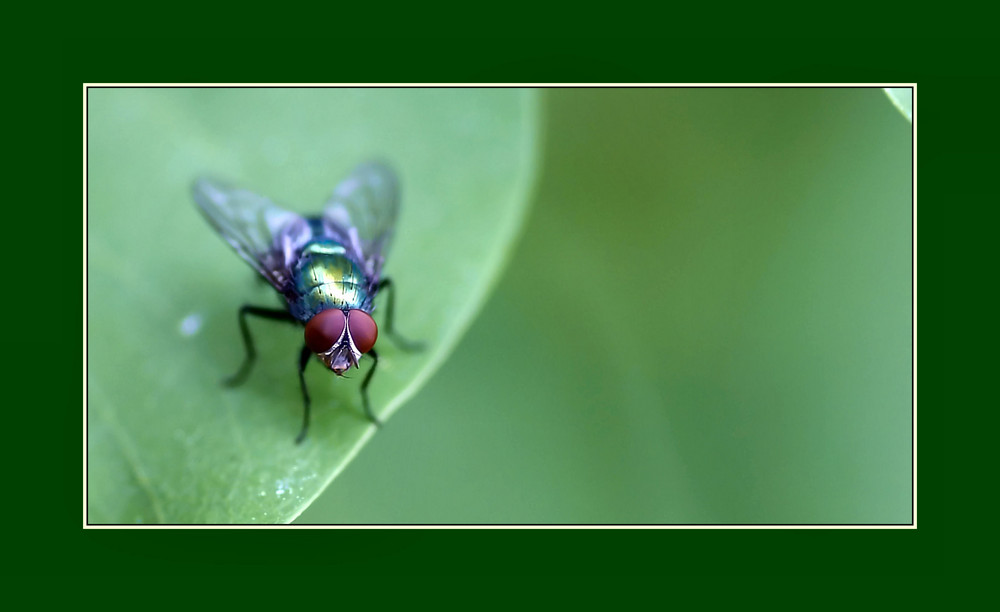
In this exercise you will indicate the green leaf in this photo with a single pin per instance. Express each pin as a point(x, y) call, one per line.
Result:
point(902, 98)
point(166, 442)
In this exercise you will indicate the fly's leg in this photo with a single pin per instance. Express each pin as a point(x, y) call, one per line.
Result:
point(406, 345)
point(251, 352)
point(364, 389)
point(303, 362)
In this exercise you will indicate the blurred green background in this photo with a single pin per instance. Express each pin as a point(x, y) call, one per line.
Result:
point(707, 320)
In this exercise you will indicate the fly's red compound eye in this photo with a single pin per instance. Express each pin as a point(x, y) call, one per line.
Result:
point(364, 332)
point(324, 329)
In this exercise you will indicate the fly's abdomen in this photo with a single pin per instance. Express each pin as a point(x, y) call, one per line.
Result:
point(326, 278)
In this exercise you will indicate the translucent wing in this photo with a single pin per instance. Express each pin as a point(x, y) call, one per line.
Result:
point(362, 212)
point(263, 234)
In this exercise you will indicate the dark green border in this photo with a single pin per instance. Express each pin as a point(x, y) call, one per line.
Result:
point(942, 69)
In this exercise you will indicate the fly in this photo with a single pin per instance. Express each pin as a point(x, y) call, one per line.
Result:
point(328, 268)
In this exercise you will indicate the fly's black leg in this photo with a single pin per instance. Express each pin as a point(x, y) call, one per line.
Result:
point(251, 353)
point(406, 345)
point(303, 362)
point(364, 389)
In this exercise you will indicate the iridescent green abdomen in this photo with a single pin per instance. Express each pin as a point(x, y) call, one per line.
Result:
point(324, 278)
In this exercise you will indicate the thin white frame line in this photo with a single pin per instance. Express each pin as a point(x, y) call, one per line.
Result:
point(913, 202)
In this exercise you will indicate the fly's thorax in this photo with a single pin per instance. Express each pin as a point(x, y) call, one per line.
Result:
point(326, 277)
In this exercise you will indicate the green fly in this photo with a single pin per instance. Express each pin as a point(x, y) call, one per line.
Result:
point(328, 268)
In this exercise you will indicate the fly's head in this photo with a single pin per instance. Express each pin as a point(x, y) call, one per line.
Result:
point(340, 337)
